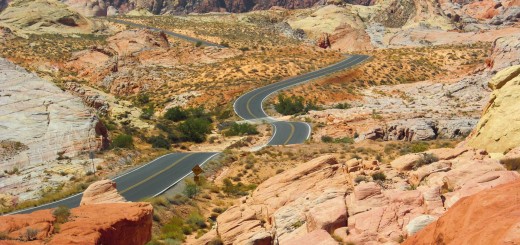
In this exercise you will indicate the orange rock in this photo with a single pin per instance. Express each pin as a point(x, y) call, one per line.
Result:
point(317, 237)
point(109, 223)
point(112, 223)
point(488, 217)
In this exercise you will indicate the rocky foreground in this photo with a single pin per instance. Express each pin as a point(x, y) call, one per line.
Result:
point(368, 202)
point(102, 218)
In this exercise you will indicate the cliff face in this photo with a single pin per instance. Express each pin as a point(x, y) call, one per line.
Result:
point(489, 217)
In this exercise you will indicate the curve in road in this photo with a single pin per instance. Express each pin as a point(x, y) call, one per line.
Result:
point(157, 176)
point(250, 105)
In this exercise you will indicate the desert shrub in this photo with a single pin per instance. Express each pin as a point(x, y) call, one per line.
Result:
point(196, 220)
point(426, 158)
point(176, 114)
point(414, 147)
point(379, 176)
point(218, 210)
point(290, 105)
point(343, 106)
point(4, 235)
point(344, 140)
point(360, 178)
point(142, 99)
point(191, 189)
point(173, 229)
point(195, 129)
point(147, 113)
point(327, 139)
point(30, 234)
point(123, 141)
point(198, 44)
point(241, 129)
point(61, 214)
point(159, 141)
point(237, 190)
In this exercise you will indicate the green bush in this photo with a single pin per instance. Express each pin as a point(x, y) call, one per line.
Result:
point(173, 229)
point(241, 129)
point(159, 142)
point(237, 190)
point(414, 147)
point(326, 139)
point(196, 220)
point(198, 44)
point(290, 105)
point(195, 129)
point(176, 114)
point(426, 158)
point(123, 141)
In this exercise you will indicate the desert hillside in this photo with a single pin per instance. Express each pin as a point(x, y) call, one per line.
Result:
point(312, 122)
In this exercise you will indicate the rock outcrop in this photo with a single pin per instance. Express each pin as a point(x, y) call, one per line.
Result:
point(101, 219)
point(103, 191)
point(108, 223)
point(322, 197)
point(45, 16)
point(488, 217)
point(495, 131)
point(44, 124)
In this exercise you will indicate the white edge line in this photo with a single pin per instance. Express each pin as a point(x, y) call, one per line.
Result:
point(234, 109)
point(77, 194)
point(170, 186)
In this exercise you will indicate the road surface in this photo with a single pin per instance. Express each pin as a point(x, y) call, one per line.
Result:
point(157, 176)
point(249, 106)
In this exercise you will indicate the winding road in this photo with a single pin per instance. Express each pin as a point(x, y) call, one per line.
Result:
point(157, 176)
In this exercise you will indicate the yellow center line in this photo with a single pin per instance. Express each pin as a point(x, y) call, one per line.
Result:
point(290, 135)
point(248, 105)
point(155, 175)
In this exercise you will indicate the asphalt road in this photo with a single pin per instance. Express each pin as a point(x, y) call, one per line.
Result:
point(250, 105)
point(149, 180)
point(157, 176)
point(173, 34)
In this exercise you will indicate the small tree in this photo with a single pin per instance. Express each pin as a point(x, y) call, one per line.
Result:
point(241, 129)
point(147, 113)
point(195, 129)
point(191, 189)
point(198, 44)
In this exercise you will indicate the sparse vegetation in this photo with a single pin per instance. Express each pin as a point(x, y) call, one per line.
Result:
point(293, 105)
point(123, 141)
point(378, 176)
point(241, 129)
point(61, 214)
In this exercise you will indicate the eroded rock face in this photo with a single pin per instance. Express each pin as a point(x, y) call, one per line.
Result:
point(495, 132)
point(44, 124)
point(488, 217)
point(103, 191)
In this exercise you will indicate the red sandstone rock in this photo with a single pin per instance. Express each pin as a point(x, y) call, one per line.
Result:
point(317, 237)
point(488, 217)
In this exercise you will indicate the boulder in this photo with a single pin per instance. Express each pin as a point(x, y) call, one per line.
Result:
point(491, 216)
point(406, 162)
point(103, 191)
point(495, 132)
point(328, 215)
point(511, 160)
point(418, 223)
point(317, 237)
